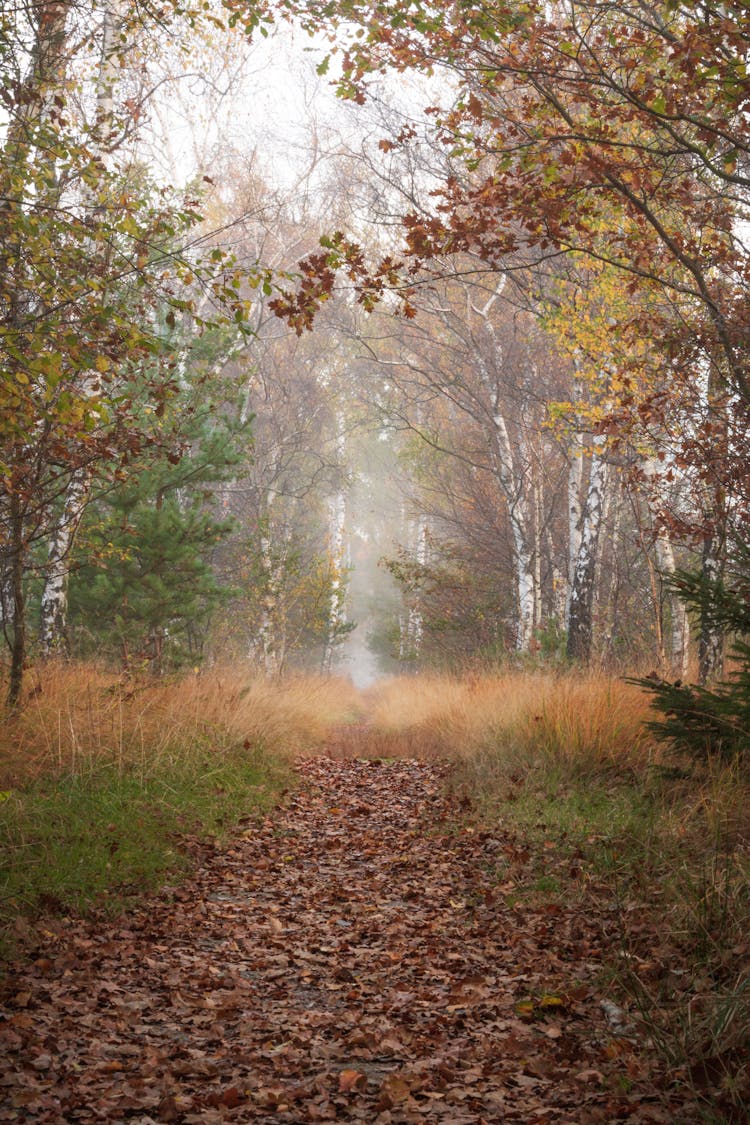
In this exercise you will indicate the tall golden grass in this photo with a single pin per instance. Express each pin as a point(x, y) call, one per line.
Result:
point(576, 721)
point(79, 717)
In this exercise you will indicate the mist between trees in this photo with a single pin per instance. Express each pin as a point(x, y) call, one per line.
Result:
point(520, 409)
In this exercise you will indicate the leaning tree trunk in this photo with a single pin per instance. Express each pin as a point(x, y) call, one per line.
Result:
point(514, 473)
point(580, 613)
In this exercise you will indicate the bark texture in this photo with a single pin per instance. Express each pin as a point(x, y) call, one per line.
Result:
point(580, 615)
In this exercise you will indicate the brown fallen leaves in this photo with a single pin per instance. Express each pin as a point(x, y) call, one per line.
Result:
point(351, 959)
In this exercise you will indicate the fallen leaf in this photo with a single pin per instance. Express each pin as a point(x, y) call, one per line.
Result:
point(393, 1091)
point(350, 1079)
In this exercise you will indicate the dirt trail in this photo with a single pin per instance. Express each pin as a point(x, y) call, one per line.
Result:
point(352, 959)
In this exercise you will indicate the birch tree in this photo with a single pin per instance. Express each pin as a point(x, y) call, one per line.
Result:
point(53, 638)
point(584, 559)
point(484, 359)
point(90, 250)
point(337, 506)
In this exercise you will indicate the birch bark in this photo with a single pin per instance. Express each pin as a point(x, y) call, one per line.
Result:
point(269, 643)
point(575, 490)
point(515, 486)
point(415, 620)
point(675, 654)
point(53, 630)
point(678, 654)
point(53, 626)
point(580, 615)
point(711, 639)
point(337, 517)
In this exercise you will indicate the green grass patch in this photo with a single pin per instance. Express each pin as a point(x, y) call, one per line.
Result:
point(97, 840)
point(613, 819)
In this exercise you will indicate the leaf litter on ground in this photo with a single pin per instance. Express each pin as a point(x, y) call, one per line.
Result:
point(351, 958)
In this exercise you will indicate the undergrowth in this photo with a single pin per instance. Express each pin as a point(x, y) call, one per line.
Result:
point(96, 841)
point(105, 781)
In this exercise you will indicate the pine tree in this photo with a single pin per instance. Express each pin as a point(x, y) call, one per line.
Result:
point(710, 721)
point(143, 587)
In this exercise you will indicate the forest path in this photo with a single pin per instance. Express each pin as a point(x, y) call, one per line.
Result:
point(352, 958)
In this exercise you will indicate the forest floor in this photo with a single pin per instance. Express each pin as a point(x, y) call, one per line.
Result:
point(357, 955)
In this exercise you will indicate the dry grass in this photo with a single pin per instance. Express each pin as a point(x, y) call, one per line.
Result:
point(580, 722)
point(78, 717)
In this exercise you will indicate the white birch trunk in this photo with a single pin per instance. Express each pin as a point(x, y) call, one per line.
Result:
point(513, 483)
point(575, 489)
point(675, 654)
point(521, 536)
point(53, 632)
point(711, 639)
point(53, 626)
point(580, 615)
point(679, 626)
point(415, 626)
point(268, 646)
point(268, 643)
point(106, 81)
point(337, 610)
point(403, 637)
point(523, 558)
point(538, 508)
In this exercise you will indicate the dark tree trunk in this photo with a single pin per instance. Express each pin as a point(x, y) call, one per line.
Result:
point(18, 643)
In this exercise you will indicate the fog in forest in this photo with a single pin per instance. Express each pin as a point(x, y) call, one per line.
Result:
point(375, 561)
point(321, 379)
